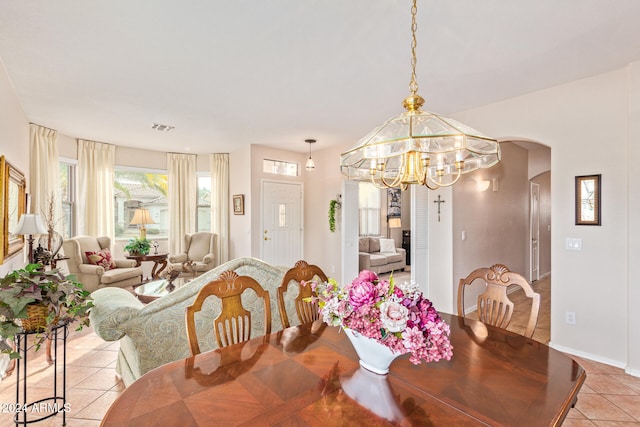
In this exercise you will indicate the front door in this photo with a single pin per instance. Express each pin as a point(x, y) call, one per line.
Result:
point(281, 223)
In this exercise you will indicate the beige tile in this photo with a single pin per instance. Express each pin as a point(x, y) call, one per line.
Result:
point(629, 381)
point(607, 384)
point(596, 407)
point(97, 359)
point(98, 408)
point(572, 422)
point(629, 404)
point(105, 379)
point(79, 399)
point(616, 424)
point(575, 414)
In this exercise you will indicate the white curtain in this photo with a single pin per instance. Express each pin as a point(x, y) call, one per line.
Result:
point(220, 203)
point(95, 211)
point(183, 190)
point(44, 175)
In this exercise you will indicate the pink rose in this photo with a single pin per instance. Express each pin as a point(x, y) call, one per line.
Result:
point(394, 316)
point(362, 293)
point(367, 276)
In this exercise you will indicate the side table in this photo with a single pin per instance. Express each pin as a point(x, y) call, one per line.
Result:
point(159, 260)
point(53, 405)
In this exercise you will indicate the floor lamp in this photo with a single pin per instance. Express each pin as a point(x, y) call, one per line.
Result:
point(29, 225)
point(393, 223)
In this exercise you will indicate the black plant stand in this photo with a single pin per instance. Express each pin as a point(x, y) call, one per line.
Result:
point(50, 406)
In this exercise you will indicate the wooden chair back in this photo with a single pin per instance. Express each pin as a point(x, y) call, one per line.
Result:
point(494, 306)
point(307, 311)
point(233, 325)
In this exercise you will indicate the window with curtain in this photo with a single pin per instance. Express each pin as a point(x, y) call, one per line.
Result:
point(203, 217)
point(67, 198)
point(140, 188)
point(369, 208)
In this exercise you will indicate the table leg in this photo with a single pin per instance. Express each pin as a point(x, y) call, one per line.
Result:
point(155, 272)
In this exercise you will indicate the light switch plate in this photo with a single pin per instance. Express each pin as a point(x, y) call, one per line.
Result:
point(573, 244)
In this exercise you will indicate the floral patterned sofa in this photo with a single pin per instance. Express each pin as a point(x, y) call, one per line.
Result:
point(154, 334)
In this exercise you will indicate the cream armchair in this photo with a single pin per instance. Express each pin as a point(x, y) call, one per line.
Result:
point(200, 248)
point(125, 273)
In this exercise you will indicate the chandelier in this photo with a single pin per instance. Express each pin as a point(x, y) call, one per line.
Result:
point(418, 147)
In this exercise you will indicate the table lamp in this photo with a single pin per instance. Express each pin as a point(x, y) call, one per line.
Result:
point(142, 217)
point(28, 225)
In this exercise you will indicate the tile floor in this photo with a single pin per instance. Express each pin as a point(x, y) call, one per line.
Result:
point(609, 397)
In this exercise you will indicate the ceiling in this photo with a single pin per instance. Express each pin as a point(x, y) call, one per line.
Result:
point(276, 72)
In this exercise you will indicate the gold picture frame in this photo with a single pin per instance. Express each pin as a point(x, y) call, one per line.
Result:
point(588, 196)
point(238, 204)
point(12, 206)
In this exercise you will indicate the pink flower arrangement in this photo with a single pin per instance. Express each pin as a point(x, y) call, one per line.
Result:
point(398, 316)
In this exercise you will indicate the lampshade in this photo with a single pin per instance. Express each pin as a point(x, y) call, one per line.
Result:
point(395, 223)
point(418, 147)
point(30, 224)
point(310, 165)
point(142, 217)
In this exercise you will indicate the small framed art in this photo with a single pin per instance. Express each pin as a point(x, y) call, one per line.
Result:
point(588, 195)
point(238, 204)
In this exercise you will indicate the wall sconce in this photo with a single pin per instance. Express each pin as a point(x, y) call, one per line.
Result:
point(483, 185)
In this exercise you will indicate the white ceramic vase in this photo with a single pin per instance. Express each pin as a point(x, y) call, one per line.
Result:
point(374, 357)
point(374, 393)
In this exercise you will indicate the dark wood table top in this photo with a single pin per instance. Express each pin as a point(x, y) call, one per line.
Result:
point(148, 257)
point(309, 375)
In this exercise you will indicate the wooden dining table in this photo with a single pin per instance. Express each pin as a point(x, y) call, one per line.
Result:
point(309, 375)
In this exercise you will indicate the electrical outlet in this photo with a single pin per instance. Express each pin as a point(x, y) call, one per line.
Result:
point(570, 317)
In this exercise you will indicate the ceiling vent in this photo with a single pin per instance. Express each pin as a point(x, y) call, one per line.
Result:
point(162, 128)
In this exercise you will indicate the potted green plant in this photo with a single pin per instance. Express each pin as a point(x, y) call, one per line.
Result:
point(48, 295)
point(137, 246)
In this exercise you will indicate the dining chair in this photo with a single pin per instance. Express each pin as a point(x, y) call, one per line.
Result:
point(494, 306)
point(301, 272)
point(233, 325)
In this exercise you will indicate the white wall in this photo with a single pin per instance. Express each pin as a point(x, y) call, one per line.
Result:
point(633, 254)
point(496, 223)
point(14, 145)
point(240, 183)
point(586, 125)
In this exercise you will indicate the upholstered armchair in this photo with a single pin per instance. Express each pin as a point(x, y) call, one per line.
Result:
point(91, 261)
point(200, 250)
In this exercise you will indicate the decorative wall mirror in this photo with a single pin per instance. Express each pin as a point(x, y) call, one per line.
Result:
point(12, 206)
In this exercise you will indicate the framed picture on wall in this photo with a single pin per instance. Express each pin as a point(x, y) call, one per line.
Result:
point(588, 204)
point(394, 203)
point(238, 204)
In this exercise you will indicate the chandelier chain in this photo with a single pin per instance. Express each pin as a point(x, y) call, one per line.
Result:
point(413, 85)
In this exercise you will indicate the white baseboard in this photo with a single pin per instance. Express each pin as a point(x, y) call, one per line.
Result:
point(595, 358)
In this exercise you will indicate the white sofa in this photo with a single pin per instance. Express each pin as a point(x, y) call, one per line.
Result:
point(373, 259)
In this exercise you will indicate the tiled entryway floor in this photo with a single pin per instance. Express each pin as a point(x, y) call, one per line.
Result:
point(609, 397)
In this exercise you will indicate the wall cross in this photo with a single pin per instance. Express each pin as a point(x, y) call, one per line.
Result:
point(439, 202)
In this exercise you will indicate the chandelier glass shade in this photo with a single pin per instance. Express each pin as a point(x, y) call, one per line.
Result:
point(418, 147)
